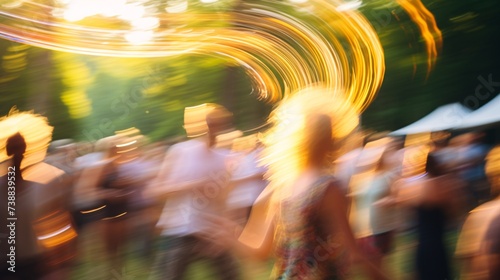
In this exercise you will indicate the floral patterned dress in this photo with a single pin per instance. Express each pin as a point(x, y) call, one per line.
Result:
point(304, 250)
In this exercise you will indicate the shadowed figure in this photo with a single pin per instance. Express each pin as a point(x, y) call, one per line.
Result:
point(40, 238)
point(434, 195)
point(27, 260)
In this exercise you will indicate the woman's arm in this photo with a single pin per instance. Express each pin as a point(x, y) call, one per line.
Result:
point(258, 234)
point(333, 214)
point(395, 196)
point(255, 240)
point(256, 175)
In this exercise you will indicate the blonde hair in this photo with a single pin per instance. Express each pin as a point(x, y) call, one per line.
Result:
point(290, 140)
point(195, 118)
point(492, 170)
point(35, 130)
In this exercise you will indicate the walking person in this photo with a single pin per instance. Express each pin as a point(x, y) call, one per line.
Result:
point(302, 214)
point(194, 180)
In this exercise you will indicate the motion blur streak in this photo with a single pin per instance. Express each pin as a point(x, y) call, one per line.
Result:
point(301, 43)
point(321, 45)
point(428, 28)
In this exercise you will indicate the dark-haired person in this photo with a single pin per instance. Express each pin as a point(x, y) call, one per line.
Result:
point(193, 181)
point(40, 237)
point(435, 196)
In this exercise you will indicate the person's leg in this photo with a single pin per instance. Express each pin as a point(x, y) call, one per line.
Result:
point(369, 248)
point(160, 257)
point(116, 237)
point(178, 256)
point(384, 242)
point(226, 266)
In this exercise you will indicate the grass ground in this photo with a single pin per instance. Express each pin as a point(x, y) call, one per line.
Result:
point(93, 264)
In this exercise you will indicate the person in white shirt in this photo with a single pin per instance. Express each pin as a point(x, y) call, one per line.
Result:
point(194, 180)
point(374, 224)
point(247, 183)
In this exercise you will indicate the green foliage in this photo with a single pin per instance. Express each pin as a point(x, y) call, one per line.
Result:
point(469, 52)
point(88, 97)
point(149, 94)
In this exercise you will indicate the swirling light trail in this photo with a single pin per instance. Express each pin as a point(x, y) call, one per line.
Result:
point(281, 52)
point(428, 28)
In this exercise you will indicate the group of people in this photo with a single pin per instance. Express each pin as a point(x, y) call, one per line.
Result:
point(296, 194)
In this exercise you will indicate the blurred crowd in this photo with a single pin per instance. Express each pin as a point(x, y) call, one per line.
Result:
point(214, 197)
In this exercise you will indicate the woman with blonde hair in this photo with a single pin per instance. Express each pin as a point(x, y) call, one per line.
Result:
point(36, 193)
point(302, 214)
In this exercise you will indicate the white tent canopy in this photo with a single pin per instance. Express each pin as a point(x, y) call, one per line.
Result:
point(443, 118)
point(487, 114)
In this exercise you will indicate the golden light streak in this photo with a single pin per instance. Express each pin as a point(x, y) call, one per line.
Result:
point(126, 144)
point(55, 233)
point(115, 217)
point(281, 52)
point(428, 28)
point(54, 229)
point(93, 210)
